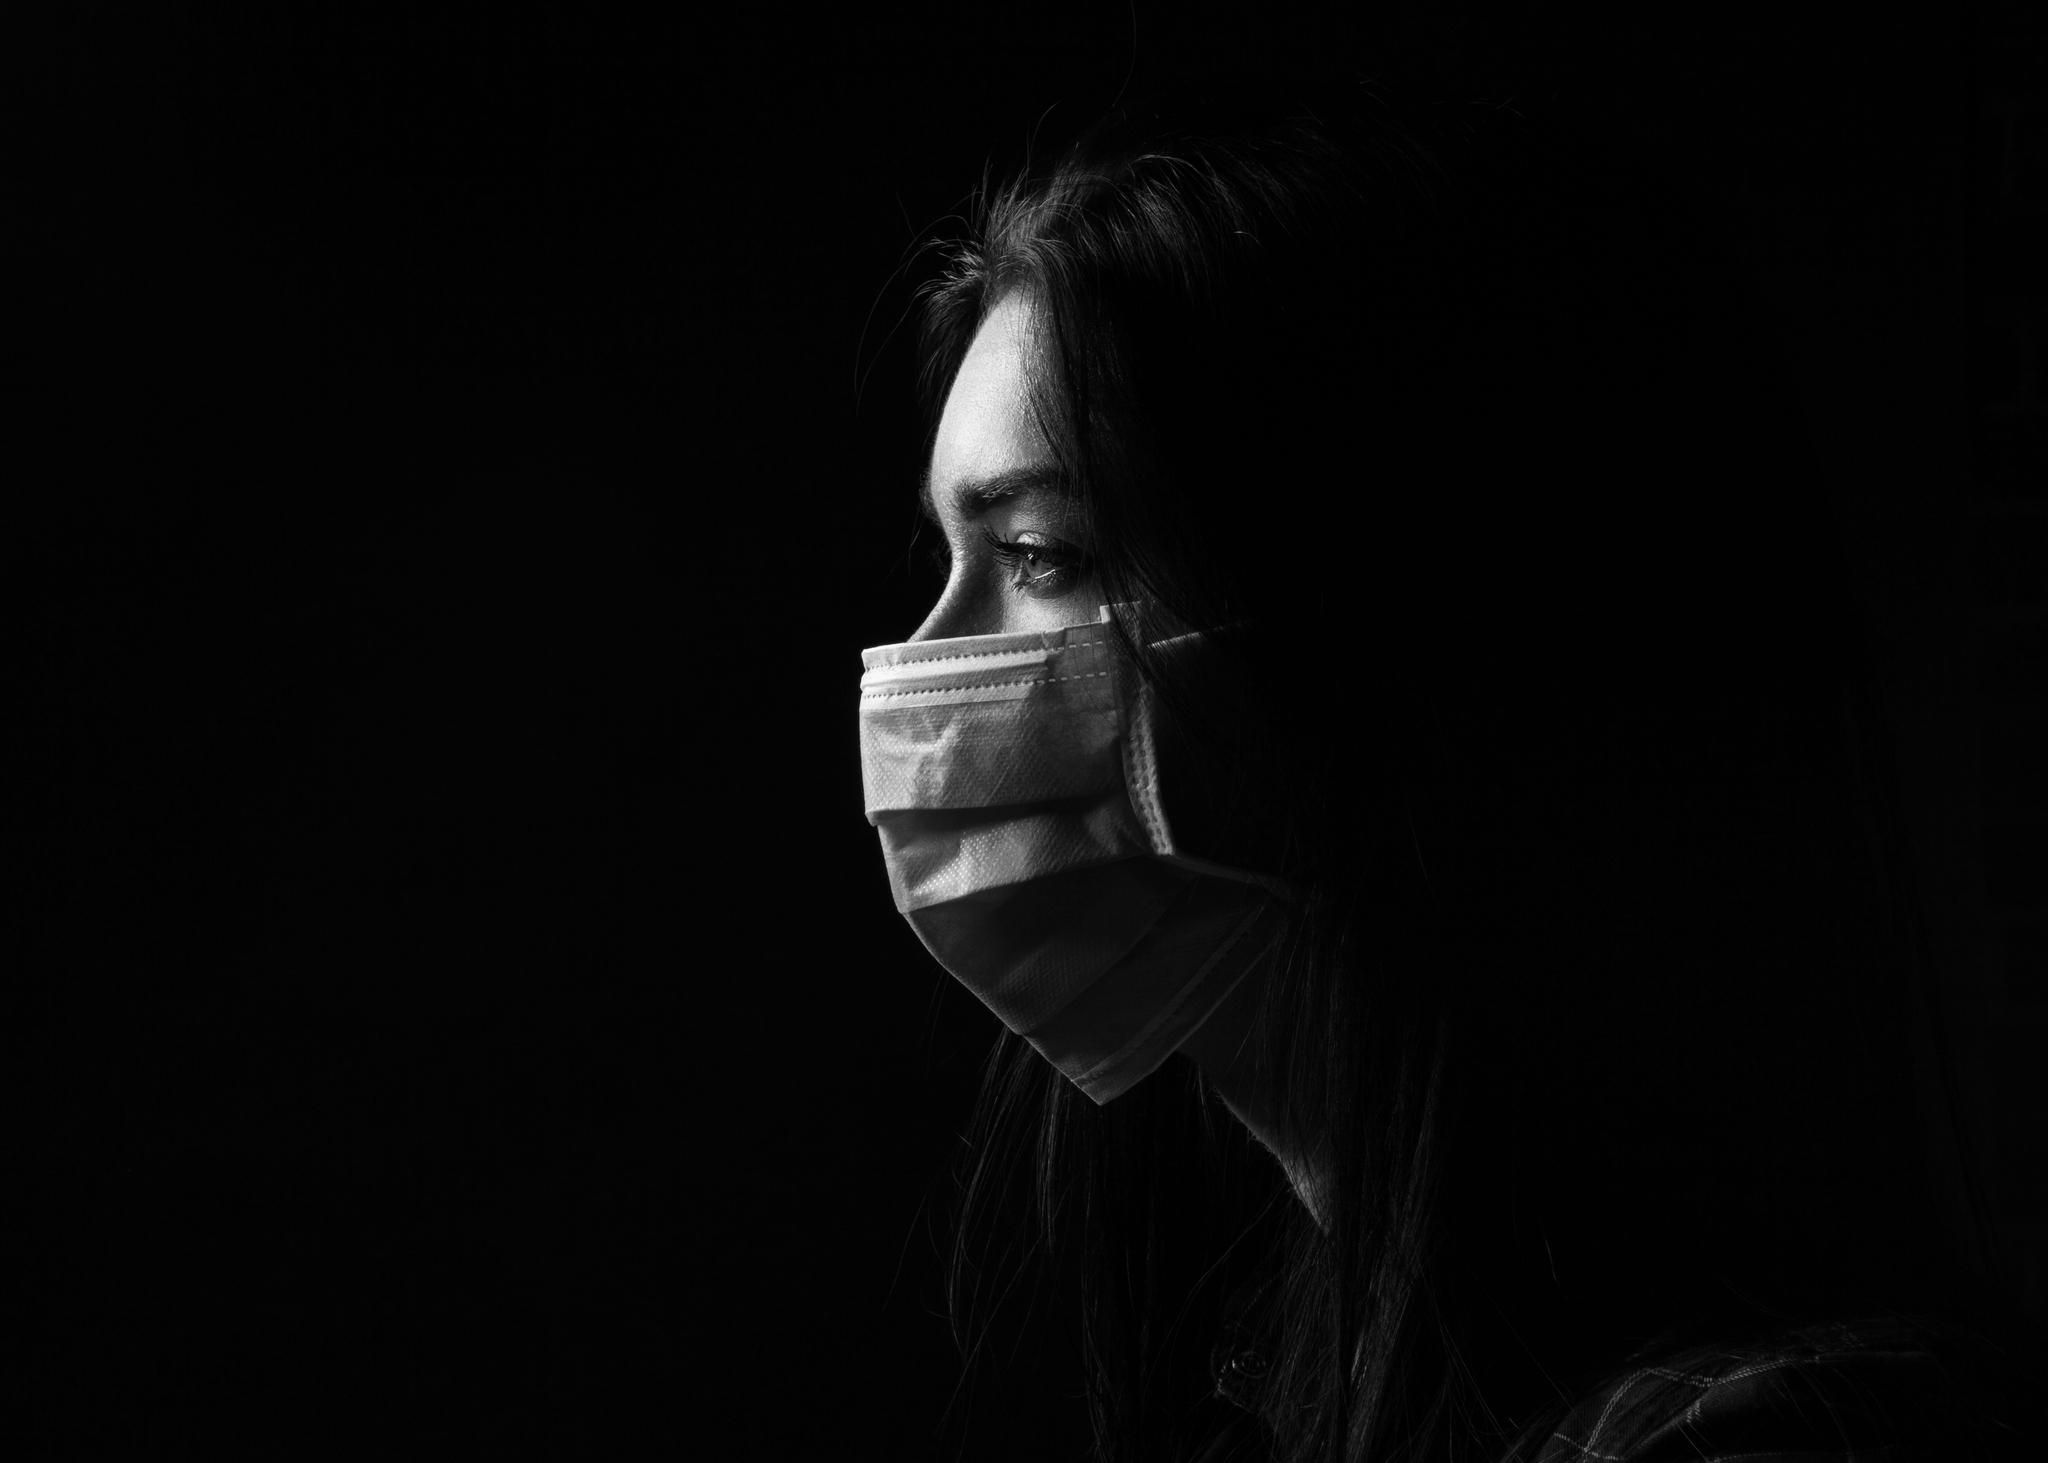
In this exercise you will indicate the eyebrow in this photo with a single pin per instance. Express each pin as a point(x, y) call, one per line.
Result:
point(977, 495)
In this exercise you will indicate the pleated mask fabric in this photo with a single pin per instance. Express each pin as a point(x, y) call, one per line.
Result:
point(1014, 782)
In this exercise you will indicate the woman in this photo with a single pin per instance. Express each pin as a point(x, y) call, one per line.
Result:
point(1392, 680)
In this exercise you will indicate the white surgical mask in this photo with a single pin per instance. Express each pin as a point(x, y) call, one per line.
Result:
point(1014, 780)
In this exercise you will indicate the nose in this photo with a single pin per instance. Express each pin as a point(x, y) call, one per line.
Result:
point(954, 614)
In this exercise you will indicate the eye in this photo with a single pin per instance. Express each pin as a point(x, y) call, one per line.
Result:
point(1037, 564)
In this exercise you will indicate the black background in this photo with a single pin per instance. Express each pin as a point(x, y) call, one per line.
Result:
point(468, 447)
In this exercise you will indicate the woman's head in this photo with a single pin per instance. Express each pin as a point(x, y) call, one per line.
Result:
point(1533, 676)
point(1371, 381)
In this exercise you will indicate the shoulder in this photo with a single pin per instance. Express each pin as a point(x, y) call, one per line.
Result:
point(1874, 1394)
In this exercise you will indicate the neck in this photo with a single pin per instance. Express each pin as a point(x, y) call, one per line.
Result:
point(1224, 1051)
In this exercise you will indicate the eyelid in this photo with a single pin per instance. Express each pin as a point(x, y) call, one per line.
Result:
point(1029, 541)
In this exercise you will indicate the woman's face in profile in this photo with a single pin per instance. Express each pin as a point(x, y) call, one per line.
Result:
point(1016, 559)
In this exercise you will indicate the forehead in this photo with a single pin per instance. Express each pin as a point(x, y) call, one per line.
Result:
point(987, 427)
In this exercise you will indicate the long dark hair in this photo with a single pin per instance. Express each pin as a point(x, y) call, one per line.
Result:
point(1550, 694)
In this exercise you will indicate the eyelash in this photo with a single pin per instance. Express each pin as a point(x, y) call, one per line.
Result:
point(1062, 563)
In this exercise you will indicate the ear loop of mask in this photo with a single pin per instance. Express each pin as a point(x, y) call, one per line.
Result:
point(1141, 751)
